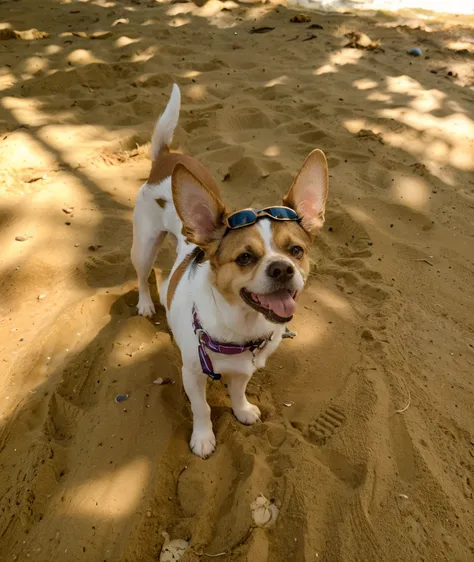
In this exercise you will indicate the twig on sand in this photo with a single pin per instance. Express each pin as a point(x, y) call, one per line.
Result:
point(215, 555)
point(406, 407)
point(425, 260)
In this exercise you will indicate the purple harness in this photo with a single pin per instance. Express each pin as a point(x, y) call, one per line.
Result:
point(205, 341)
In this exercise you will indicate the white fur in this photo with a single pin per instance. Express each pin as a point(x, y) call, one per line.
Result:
point(237, 324)
point(163, 133)
point(260, 283)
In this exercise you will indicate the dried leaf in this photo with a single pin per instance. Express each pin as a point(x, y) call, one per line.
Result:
point(261, 29)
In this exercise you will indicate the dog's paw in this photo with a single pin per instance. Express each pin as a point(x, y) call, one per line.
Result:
point(146, 307)
point(248, 415)
point(203, 443)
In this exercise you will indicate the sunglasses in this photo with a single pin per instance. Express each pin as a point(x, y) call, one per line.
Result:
point(247, 217)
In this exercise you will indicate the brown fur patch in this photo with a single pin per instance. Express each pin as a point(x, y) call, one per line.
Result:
point(229, 276)
point(161, 202)
point(287, 234)
point(165, 163)
point(178, 275)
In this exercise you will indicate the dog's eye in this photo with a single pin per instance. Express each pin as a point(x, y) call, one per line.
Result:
point(296, 251)
point(245, 258)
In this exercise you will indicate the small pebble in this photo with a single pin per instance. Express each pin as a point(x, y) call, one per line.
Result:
point(300, 18)
point(121, 398)
point(416, 52)
point(41, 297)
point(20, 238)
point(166, 380)
point(68, 210)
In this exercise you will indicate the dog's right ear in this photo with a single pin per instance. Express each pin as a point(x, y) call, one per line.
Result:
point(200, 211)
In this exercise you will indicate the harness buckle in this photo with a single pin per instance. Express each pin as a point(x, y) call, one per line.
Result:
point(200, 333)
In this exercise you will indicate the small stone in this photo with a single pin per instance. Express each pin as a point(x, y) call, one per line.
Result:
point(121, 398)
point(76, 245)
point(68, 210)
point(416, 52)
point(41, 297)
point(300, 18)
point(166, 380)
point(368, 335)
point(20, 238)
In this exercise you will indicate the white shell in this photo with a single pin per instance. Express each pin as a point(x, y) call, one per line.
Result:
point(172, 550)
point(264, 513)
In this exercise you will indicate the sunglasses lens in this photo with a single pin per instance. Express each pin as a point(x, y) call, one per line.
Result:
point(241, 218)
point(282, 213)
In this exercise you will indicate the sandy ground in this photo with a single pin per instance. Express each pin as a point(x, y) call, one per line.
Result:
point(367, 439)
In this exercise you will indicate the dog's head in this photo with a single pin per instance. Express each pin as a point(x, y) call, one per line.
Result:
point(263, 265)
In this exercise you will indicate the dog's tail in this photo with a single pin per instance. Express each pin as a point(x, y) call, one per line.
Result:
point(164, 130)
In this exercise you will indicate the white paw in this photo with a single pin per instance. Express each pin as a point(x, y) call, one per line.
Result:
point(145, 307)
point(248, 415)
point(203, 443)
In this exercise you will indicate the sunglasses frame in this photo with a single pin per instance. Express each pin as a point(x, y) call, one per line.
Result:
point(258, 215)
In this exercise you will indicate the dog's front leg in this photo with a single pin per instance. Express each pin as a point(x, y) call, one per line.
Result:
point(245, 412)
point(203, 440)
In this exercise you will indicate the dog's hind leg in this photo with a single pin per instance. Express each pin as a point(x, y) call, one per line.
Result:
point(144, 250)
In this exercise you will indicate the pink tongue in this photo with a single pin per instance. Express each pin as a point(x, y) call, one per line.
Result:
point(280, 302)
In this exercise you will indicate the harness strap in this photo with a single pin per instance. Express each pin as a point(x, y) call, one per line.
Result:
point(205, 341)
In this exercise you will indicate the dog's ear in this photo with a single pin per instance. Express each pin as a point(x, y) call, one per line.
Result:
point(200, 211)
point(308, 194)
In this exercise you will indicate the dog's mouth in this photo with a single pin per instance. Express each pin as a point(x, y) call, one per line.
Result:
point(278, 307)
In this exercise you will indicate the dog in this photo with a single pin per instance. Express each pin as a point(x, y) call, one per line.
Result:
point(237, 275)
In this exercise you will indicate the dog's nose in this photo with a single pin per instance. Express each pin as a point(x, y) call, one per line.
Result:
point(281, 271)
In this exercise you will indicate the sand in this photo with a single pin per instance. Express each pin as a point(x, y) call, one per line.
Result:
point(367, 440)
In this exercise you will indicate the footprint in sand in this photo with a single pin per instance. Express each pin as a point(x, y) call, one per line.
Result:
point(247, 118)
point(317, 138)
point(321, 429)
point(62, 419)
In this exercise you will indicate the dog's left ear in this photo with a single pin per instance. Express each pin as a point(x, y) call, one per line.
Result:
point(308, 194)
